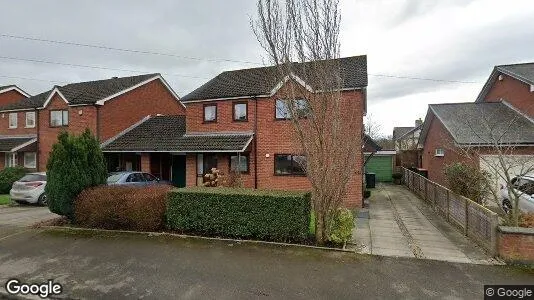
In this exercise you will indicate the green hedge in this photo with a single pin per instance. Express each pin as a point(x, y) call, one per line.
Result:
point(8, 176)
point(240, 213)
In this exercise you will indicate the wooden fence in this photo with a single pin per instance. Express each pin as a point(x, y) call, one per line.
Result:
point(472, 219)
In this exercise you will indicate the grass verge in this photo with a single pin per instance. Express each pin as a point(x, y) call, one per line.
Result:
point(5, 199)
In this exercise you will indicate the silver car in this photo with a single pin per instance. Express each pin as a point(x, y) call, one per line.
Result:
point(524, 187)
point(30, 189)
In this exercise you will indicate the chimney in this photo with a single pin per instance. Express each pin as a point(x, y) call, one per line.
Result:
point(418, 122)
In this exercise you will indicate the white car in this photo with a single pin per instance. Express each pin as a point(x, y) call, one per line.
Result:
point(523, 186)
point(30, 189)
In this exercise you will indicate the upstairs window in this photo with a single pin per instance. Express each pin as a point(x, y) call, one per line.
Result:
point(240, 111)
point(439, 152)
point(210, 113)
point(30, 119)
point(287, 164)
point(59, 118)
point(283, 111)
point(13, 120)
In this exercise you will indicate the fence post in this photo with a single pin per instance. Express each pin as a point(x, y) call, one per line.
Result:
point(448, 205)
point(493, 246)
point(466, 230)
point(426, 189)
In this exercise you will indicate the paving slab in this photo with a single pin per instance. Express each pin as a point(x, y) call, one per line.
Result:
point(401, 224)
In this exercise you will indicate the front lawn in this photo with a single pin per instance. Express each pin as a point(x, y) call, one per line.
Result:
point(4, 199)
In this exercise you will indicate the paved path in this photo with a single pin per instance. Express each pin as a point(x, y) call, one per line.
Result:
point(398, 223)
point(120, 266)
point(18, 218)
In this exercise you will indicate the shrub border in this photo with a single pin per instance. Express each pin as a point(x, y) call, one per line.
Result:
point(198, 237)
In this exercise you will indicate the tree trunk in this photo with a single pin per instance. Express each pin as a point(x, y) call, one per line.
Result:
point(320, 227)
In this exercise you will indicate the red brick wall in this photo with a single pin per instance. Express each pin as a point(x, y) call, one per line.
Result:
point(514, 92)
point(47, 135)
point(127, 109)
point(21, 124)
point(272, 137)
point(517, 247)
point(439, 137)
point(10, 97)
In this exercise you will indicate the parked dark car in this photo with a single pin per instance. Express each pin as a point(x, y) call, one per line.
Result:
point(133, 178)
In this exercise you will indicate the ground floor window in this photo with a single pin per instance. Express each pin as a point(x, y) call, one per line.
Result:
point(288, 164)
point(30, 160)
point(11, 160)
point(239, 163)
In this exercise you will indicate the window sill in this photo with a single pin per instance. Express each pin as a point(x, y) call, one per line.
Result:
point(439, 155)
point(29, 126)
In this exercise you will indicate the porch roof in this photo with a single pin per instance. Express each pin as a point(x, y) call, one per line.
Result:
point(15, 143)
point(167, 134)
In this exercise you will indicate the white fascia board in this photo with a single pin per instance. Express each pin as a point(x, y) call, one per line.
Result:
point(180, 152)
point(24, 145)
point(248, 143)
point(228, 98)
point(15, 110)
point(54, 91)
point(15, 88)
point(286, 79)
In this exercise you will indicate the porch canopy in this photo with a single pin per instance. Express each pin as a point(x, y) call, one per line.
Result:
point(17, 143)
point(167, 134)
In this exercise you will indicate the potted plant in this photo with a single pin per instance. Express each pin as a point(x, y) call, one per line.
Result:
point(397, 178)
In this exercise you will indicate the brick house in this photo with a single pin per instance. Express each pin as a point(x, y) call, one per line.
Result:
point(29, 127)
point(237, 122)
point(503, 113)
point(11, 93)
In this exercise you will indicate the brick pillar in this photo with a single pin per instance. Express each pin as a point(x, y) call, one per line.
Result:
point(145, 162)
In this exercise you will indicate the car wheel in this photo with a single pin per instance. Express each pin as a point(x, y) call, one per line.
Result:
point(506, 205)
point(42, 200)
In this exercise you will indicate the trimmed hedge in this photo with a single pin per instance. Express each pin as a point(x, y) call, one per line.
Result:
point(122, 207)
point(8, 176)
point(240, 213)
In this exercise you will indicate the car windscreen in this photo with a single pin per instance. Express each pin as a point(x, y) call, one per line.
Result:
point(33, 177)
point(114, 178)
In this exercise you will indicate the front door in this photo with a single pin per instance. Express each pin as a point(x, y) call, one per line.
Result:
point(178, 170)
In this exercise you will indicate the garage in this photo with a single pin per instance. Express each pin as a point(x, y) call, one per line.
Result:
point(380, 163)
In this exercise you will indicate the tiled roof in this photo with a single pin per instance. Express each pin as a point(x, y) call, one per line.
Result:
point(524, 72)
point(88, 92)
point(400, 131)
point(7, 143)
point(261, 81)
point(483, 123)
point(216, 142)
point(167, 134)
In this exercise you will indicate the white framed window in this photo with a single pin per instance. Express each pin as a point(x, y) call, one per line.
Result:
point(11, 160)
point(30, 160)
point(13, 120)
point(30, 119)
point(59, 118)
point(439, 152)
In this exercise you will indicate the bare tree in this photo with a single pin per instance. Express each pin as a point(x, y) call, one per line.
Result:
point(301, 40)
point(372, 128)
point(498, 151)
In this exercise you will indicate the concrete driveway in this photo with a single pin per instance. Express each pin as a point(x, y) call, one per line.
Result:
point(126, 266)
point(18, 218)
point(398, 223)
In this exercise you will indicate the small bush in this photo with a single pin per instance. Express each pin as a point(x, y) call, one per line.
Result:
point(122, 207)
point(240, 213)
point(341, 226)
point(8, 176)
point(467, 181)
point(75, 163)
point(526, 220)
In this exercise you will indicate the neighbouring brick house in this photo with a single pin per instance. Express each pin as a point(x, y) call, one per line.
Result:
point(237, 122)
point(406, 138)
point(106, 107)
point(11, 93)
point(503, 113)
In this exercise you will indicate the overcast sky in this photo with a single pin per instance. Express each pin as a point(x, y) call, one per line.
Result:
point(455, 40)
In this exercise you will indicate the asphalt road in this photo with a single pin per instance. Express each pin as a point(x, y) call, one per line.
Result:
point(115, 266)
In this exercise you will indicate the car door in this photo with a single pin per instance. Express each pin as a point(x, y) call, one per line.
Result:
point(150, 179)
point(526, 201)
point(136, 179)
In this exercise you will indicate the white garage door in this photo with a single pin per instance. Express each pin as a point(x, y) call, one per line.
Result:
point(515, 165)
